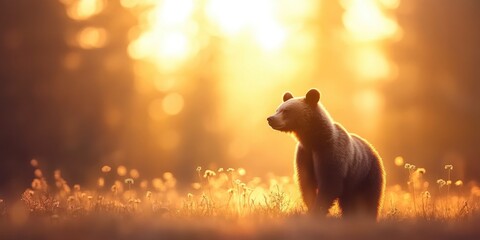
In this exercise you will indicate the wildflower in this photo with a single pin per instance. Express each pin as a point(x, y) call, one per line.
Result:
point(70, 199)
point(220, 170)
point(199, 169)
point(238, 181)
point(36, 184)
point(230, 170)
point(209, 173)
point(426, 194)
point(90, 198)
point(76, 187)
point(459, 183)
point(149, 194)
point(190, 196)
point(421, 170)
point(412, 167)
point(449, 182)
point(407, 165)
point(230, 191)
point(106, 169)
point(448, 167)
point(114, 188)
point(441, 182)
point(129, 181)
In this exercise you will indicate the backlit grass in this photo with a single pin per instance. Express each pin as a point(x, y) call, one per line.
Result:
point(225, 196)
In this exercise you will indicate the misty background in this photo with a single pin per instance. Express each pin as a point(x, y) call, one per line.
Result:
point(78, 91)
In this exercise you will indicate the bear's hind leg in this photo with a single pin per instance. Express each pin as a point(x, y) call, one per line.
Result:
point(375, 188)
point(372, 200)
point(360, 205)
point(372, 196)
point(348, 205)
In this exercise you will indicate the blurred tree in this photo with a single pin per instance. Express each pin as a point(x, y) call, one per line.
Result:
point(54, 94)
point(31, 47)
point(432, 111)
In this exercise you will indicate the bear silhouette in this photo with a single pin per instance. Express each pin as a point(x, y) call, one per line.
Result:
point(331, 163)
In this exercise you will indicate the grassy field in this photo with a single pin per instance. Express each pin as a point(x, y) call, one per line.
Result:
point(228, 203)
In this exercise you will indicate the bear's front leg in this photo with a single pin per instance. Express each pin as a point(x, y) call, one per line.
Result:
point(329, 182)
point(323, 202)
point(306, 176)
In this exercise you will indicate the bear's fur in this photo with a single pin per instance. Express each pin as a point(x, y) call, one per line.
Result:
point(331, 164)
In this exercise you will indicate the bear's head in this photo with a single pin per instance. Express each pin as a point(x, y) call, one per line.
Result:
point(295, 113)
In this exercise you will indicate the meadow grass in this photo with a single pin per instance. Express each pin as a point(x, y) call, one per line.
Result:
point(226, 202)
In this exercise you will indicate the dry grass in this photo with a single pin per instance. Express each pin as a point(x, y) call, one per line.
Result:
point(226, 203)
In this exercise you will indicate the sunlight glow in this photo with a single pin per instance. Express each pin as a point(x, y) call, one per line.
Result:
point(256, 18)
point(368, 101)
point(366, 22)
point(169, 33)
point(173, 12)
point(172, 104)
point(230, 15)
point(172, 46)
point(372, 64)
point(271, 36)
point(92, 37)
point(390, 4)
point(169, 30)
point(137, 3)
point(83, 9)
point(257, 47)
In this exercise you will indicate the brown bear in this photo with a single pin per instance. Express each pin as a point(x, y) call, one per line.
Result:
point(331, 164)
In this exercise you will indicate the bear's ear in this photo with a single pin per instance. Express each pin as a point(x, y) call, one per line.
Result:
point(287, 96)
point(312, 97)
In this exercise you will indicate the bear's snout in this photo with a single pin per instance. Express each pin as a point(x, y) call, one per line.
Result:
point(275, 122)
point(270, 119)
